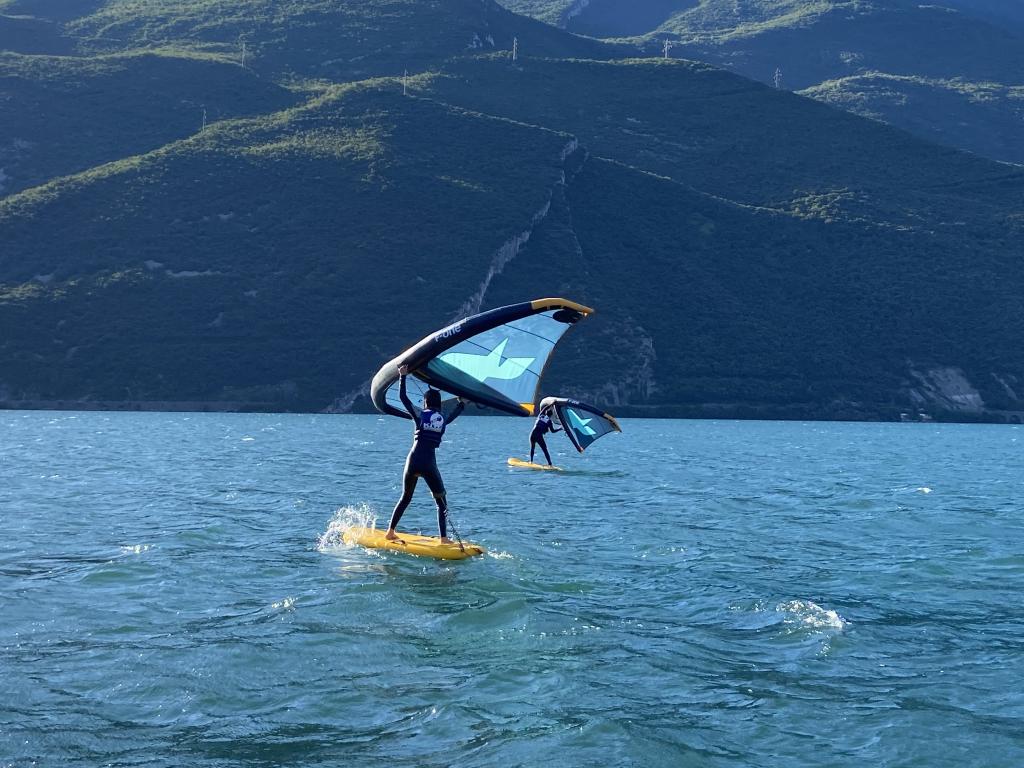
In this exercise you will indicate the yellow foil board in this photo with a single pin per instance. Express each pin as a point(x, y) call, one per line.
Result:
point(531, 465)
point(424, 546)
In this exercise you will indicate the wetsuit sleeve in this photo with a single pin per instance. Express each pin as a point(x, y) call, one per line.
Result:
point(459, 408)
point(406, 401)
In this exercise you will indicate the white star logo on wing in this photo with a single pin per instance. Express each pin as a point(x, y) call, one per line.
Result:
point(493, 365)
point(581, 424)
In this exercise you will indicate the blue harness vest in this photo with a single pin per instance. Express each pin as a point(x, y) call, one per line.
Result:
point(542, 425)
point(430, 429)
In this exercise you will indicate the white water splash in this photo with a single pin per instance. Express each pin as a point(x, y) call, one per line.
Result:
point(805, 614)
point(501, 555)
point(924, 489)
point(135, 549)
point(358, 516)
point(284, 605)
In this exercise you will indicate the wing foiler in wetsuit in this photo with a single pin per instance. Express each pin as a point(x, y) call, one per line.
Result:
point(541, 427)
point(429, 429)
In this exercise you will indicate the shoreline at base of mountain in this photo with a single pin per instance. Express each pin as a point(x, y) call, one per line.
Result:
point(740, 411)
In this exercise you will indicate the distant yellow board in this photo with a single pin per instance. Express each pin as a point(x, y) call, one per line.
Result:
point(531, 465)
point(424, 546)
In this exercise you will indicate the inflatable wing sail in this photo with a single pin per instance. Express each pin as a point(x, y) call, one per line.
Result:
point(495, 358)
point(583, 424)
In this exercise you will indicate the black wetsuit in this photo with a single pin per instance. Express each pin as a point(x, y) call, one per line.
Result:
point(421, 462)
point(541, 427)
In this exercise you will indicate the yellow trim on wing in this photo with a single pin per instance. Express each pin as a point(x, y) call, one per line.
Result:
point(613, 421)
point(528, 407)
point(542, 304)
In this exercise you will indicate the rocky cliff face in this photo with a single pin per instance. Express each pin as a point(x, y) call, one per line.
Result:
point(948, 390)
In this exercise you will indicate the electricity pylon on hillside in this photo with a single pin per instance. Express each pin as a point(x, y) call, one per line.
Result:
point(515, 49)
point(777, 78)
point(665, 48)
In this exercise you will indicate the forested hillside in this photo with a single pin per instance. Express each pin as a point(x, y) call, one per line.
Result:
point(950, 72)
point(185, 228)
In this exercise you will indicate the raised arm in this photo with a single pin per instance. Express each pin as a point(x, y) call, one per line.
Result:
point(551, 415)
point(459, 408)
point(402, 372)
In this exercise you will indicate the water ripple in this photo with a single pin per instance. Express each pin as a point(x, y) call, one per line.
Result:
point(175, 591)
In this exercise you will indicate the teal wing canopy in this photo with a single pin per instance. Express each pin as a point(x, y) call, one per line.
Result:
point(583, 424)
point(495, 358)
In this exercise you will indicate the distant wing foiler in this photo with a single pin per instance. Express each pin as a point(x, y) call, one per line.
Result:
point(495, 358)
point(583, 424)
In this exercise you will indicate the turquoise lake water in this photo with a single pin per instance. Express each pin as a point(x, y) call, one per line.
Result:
point(174, 592)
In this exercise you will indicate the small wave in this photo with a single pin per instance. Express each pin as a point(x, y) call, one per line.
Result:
point(361, 568)
point(924, 489)
point(807, 615)
point(284, 605)
point(501, 555)
point(135, 549)
point(345, 518)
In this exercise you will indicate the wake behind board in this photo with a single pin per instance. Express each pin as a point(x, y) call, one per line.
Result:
point(424, 546)
point(513, 462)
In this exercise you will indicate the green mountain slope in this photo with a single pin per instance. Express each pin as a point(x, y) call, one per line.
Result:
point(778, 151)
point(985, 118)
point(917, 48)
point(26, 34)
point(948, 69)
point(549, 11)
point(58, 11)
point(173, 62)
point(804, 251)
point(750, 251)
point(268, 260)
point(996, 11)
point(326, 39)
point(64, 114)
point(814, 41)
point(602, 18)
point(610, 18)
point(712, 309)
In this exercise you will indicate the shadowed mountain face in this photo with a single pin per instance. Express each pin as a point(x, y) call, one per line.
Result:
point(887, 59)
point(996, 11)
point(989, 115)
point(612, 18)
point(52, 10)
point(812, 42)
point(750, 251)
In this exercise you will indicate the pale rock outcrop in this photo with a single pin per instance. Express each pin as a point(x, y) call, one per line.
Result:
point(945, 387)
